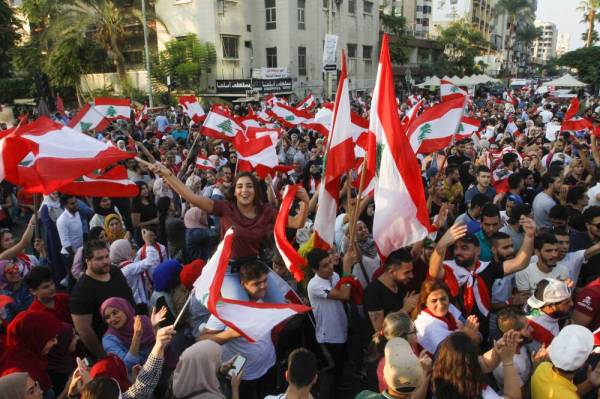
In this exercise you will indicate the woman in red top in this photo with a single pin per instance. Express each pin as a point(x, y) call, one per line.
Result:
point(251, 219)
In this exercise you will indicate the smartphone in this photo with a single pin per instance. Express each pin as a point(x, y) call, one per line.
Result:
point(238, 363)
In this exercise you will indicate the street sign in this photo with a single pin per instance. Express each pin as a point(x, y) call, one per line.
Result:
point(329, 53)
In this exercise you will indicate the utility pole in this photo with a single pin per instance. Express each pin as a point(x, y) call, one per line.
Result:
point(147, 55)
point(330, 31)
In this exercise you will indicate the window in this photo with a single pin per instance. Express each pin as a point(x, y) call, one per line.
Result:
point(301, 9)
point(425, 22)
point(271, 57)
point(248, 28)
point(270, 14)
point(351, 6)
point(367, 52)
point(134, 57)
point(351, 50)
point(368, 7)
point(326, 4)
point(230, 46)
point(301, 61)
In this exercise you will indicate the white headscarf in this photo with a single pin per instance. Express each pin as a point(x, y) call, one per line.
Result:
point(197, 370)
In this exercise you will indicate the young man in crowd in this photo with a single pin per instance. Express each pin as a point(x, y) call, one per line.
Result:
point(301, 375)
point(551, 302)
point(41, 285)
point(482, 186)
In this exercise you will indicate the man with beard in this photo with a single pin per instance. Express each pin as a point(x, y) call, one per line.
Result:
point(452, 190)
point(490, 224)
point(573, 261)
point(544, 266)
point(470, 280)
point(586, 239)
point(551, 303)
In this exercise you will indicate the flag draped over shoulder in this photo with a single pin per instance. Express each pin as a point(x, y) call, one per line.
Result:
point(339, 158)
point(252, 320)
point(58, 154)
point(401, 217)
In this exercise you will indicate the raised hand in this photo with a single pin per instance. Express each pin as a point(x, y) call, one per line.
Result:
point(453, 234)
point(158, 316)
point(528, 225)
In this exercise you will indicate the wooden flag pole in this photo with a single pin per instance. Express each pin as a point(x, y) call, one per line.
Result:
point(355, 216)
point(182, 311)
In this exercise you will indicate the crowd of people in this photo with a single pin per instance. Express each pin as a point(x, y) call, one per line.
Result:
point(501, 301)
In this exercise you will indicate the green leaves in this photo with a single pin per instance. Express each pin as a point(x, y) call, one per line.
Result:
point(461, 43)
point(586, 60)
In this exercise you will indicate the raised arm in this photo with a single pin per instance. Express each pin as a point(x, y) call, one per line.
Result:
point(436, 261)
point(522, 258)
point(206, 204)
point(23, 242)
point(298, 221)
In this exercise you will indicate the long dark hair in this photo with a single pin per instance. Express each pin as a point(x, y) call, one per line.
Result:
point(457, 373)
point(138, 199)
point(258, 193)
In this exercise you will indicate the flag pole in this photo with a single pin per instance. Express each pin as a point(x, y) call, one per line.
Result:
point(182, 311)
point(36, 232)
point(361, 187)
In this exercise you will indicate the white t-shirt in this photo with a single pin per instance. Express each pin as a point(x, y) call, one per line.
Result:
point(572, 262)
point(260, 355)
point(523, 364)
point(546, 116)
point(592, 193)
point(528, 279)
point(332, 322)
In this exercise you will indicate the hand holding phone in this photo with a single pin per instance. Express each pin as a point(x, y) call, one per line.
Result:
point(238, 364)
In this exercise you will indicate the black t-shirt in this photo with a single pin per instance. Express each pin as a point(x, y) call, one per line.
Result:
point(88, 294)
point(379, 297)
point(147, 212)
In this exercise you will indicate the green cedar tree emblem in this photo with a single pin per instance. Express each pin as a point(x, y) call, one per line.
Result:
point(85, 126)
point(111, 111)
point(226, 126)
point(289, 118)
point(424, 131)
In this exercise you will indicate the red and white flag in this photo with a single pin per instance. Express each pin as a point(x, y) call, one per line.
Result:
point(544, 328)
point(573, 109)
point(467, 127)
point(308, 103)
point(256, 154)
point(271, 100)
point(204, 163)
point(433, 129)
point(220, 125)
point(339, 158)
point(412, 113)
point(141, 115)
point(88, 118)
point(252, 320)
point(572, 122)
point(412, 100)
point(113, 183)
point(449, 90)
point(321, 121)
point(292, 259)
point(401, 217)
point(475, 291)
point(59, 155)
point(288, 116)
point(249, 121)
point(113, 108)
point(192, 108)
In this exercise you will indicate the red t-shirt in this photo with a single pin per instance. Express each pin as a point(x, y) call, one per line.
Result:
point(249, 233)
point(60, 309)
point(587, 302)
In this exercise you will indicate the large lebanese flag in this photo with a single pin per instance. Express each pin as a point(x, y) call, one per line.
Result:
point(252, 320)
point(113, 108)
point(220, 125)
point(88, 118)
point(449, 90)
point(288, 116)
point(401, 217)
point(113, 183)
point(339, 158)
point(59, 155)
point(573, 109)
point(257, 154)
point(192, 108)
point(292, 259)
point(433, 129)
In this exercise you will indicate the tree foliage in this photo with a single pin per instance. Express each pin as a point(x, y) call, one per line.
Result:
point(9, 26)
point(185, 61)
point(396, 26)
point(586, 60)
point(461, 43)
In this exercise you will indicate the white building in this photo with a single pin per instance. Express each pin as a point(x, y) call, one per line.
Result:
point(544, 47)
point(252, 34)
point(563, 43)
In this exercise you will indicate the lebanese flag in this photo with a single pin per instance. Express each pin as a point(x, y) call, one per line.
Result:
point(204, 164)
point(544, 328)
point(434, 128)
point(467, 127)
point(339, 158)
point(500, 180)
point(449, 90)
point(88, 118)
point(573, 109)
point(321, 121)
point(293, 261)
point(271, 100)
point(59, 155)
point(576, 124)
point(113, 183)
point(248, 122)
point(192, 108)
point(411, 114)
point(288, 116)
point(308, 103)
point(475, 292)
point(252, 320)
point(220, 125)
point(256, 154)
point(258, 132)
point(113, 108)
point(412, 100)
point(141, 115)
point(401, 217)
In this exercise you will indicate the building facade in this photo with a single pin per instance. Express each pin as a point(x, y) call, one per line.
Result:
point(544, 48)
point(285, 36)
point(563, 43)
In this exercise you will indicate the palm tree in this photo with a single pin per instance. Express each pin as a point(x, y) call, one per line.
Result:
point(513, 9)
point(589, 9)
point(595, 38)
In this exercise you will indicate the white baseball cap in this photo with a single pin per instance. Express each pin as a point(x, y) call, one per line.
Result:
point(571, 347)
point(402, 371)
point(555, 291)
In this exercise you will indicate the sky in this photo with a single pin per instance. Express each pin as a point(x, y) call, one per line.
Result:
point(564, 14)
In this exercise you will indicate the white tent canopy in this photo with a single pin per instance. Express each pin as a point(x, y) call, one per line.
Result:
point(472, 80)
point(433, 81)
point(565, 81)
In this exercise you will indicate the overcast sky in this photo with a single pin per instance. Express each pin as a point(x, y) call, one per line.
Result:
point(564, 14)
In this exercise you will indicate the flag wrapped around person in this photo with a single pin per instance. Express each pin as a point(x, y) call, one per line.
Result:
point(252, 320)
point(292, 259)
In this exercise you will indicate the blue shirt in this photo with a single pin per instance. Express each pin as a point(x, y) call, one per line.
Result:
point(485, 254)
point(113, 344)
point(179, 134)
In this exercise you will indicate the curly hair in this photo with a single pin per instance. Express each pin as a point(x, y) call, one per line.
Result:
point(457, 373)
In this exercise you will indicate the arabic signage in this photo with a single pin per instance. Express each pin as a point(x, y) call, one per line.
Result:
point(270, 73)
point(329, 49)
point(262, 86)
